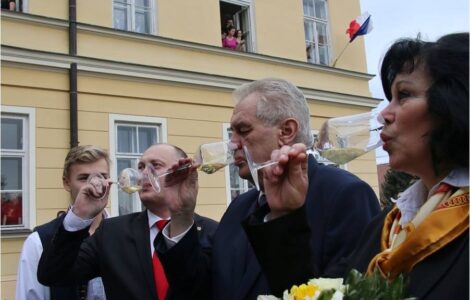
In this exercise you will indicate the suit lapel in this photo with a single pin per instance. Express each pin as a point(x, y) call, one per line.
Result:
point(141, 234)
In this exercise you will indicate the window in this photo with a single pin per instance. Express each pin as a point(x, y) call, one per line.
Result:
point(14, 5)
point(17, 168)
point(134, 15)
point(237, 13)
point(235, 185)
point(130, 137)
point(317, 41)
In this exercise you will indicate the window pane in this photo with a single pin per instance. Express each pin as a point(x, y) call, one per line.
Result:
point(308, 27)
point(11, 170)
point(126, 139)
point(147, 137)
point(12, 133)
point(322, 44)
point(308, 7)
point(142, 3)
point(120, 17)
point(323, 53)
point(310, 49)
point(320, 9)
point(125, 200)
point(12, 208)
point(142, 21)
point(322, 36)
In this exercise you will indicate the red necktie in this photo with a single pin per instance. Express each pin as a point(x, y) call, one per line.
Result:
point(161, 282)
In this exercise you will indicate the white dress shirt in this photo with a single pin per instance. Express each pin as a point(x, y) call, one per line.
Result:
point(27, 284)
point(411, 200)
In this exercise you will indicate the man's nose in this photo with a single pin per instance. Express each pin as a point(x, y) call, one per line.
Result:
point(235, 139)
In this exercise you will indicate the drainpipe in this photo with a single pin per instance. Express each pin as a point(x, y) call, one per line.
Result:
point(73, 106)
point(73, 74)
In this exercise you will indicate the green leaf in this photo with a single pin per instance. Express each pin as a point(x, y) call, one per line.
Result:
point(363, 287)
point(326, 294)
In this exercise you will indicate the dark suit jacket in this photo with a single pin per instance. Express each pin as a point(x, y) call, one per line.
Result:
point(119, 252)
point(442, 275)
point(46, 232)
point(338, 207)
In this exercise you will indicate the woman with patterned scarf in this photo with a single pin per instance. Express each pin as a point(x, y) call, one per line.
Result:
point(425, 234)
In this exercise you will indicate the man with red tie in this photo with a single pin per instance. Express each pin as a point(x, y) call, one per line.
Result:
point(122, 249)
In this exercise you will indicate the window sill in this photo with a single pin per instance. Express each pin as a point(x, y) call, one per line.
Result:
point(15, 233)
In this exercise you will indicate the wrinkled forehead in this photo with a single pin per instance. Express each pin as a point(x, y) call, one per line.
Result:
point(246, 107)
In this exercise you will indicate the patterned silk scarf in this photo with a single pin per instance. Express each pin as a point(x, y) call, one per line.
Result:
point(442, 218)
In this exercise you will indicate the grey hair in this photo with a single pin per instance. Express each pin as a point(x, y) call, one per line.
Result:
point(279, 100)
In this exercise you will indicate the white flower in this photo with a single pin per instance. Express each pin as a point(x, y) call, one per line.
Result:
point(338, 295)
point(328, 283)
point(267, 297)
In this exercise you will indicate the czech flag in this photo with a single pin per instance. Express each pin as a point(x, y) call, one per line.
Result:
point(360, 26)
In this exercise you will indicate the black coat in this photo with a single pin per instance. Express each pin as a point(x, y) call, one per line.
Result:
point(338, 207)
point(119, 252)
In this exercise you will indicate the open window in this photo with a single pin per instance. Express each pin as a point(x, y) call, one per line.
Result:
point(317, 40)
point(237, 13)
point(14, 5)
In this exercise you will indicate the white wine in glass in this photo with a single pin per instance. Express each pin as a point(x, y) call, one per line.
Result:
point(343, 139)
point(209, 157)
point(129, 181)
point(212, 157)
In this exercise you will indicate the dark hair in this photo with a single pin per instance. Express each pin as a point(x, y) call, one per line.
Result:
point(446, 62)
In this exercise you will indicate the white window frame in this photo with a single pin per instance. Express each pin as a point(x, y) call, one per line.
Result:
point(138, 120)
point(326, 21)
point(228, 188)
point(24, 3)
point(131, 16)
point(28, 114)
point(247, 3)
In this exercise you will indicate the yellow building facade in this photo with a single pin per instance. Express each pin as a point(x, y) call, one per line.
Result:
point(154, 71)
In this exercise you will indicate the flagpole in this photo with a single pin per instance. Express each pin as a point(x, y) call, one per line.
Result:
point(341, 53)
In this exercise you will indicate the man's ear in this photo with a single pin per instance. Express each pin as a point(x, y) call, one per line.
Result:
point(66, 184)
point(289, 129)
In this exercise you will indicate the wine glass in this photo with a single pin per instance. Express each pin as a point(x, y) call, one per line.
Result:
point(212, 157)
point(343, 139)
point(209, 158)
point(129, 181)
point(256, 167)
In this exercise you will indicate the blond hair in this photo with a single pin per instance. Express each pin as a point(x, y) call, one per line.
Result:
point(83, 154)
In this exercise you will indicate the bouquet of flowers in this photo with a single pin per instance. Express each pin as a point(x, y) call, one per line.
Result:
point(356, 287)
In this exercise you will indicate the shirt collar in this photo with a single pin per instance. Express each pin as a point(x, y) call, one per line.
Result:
point(105, 214)
point(152, 218)
point(411, 200)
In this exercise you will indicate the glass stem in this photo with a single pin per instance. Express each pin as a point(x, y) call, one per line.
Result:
point(179, 169)
point(266, 163)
